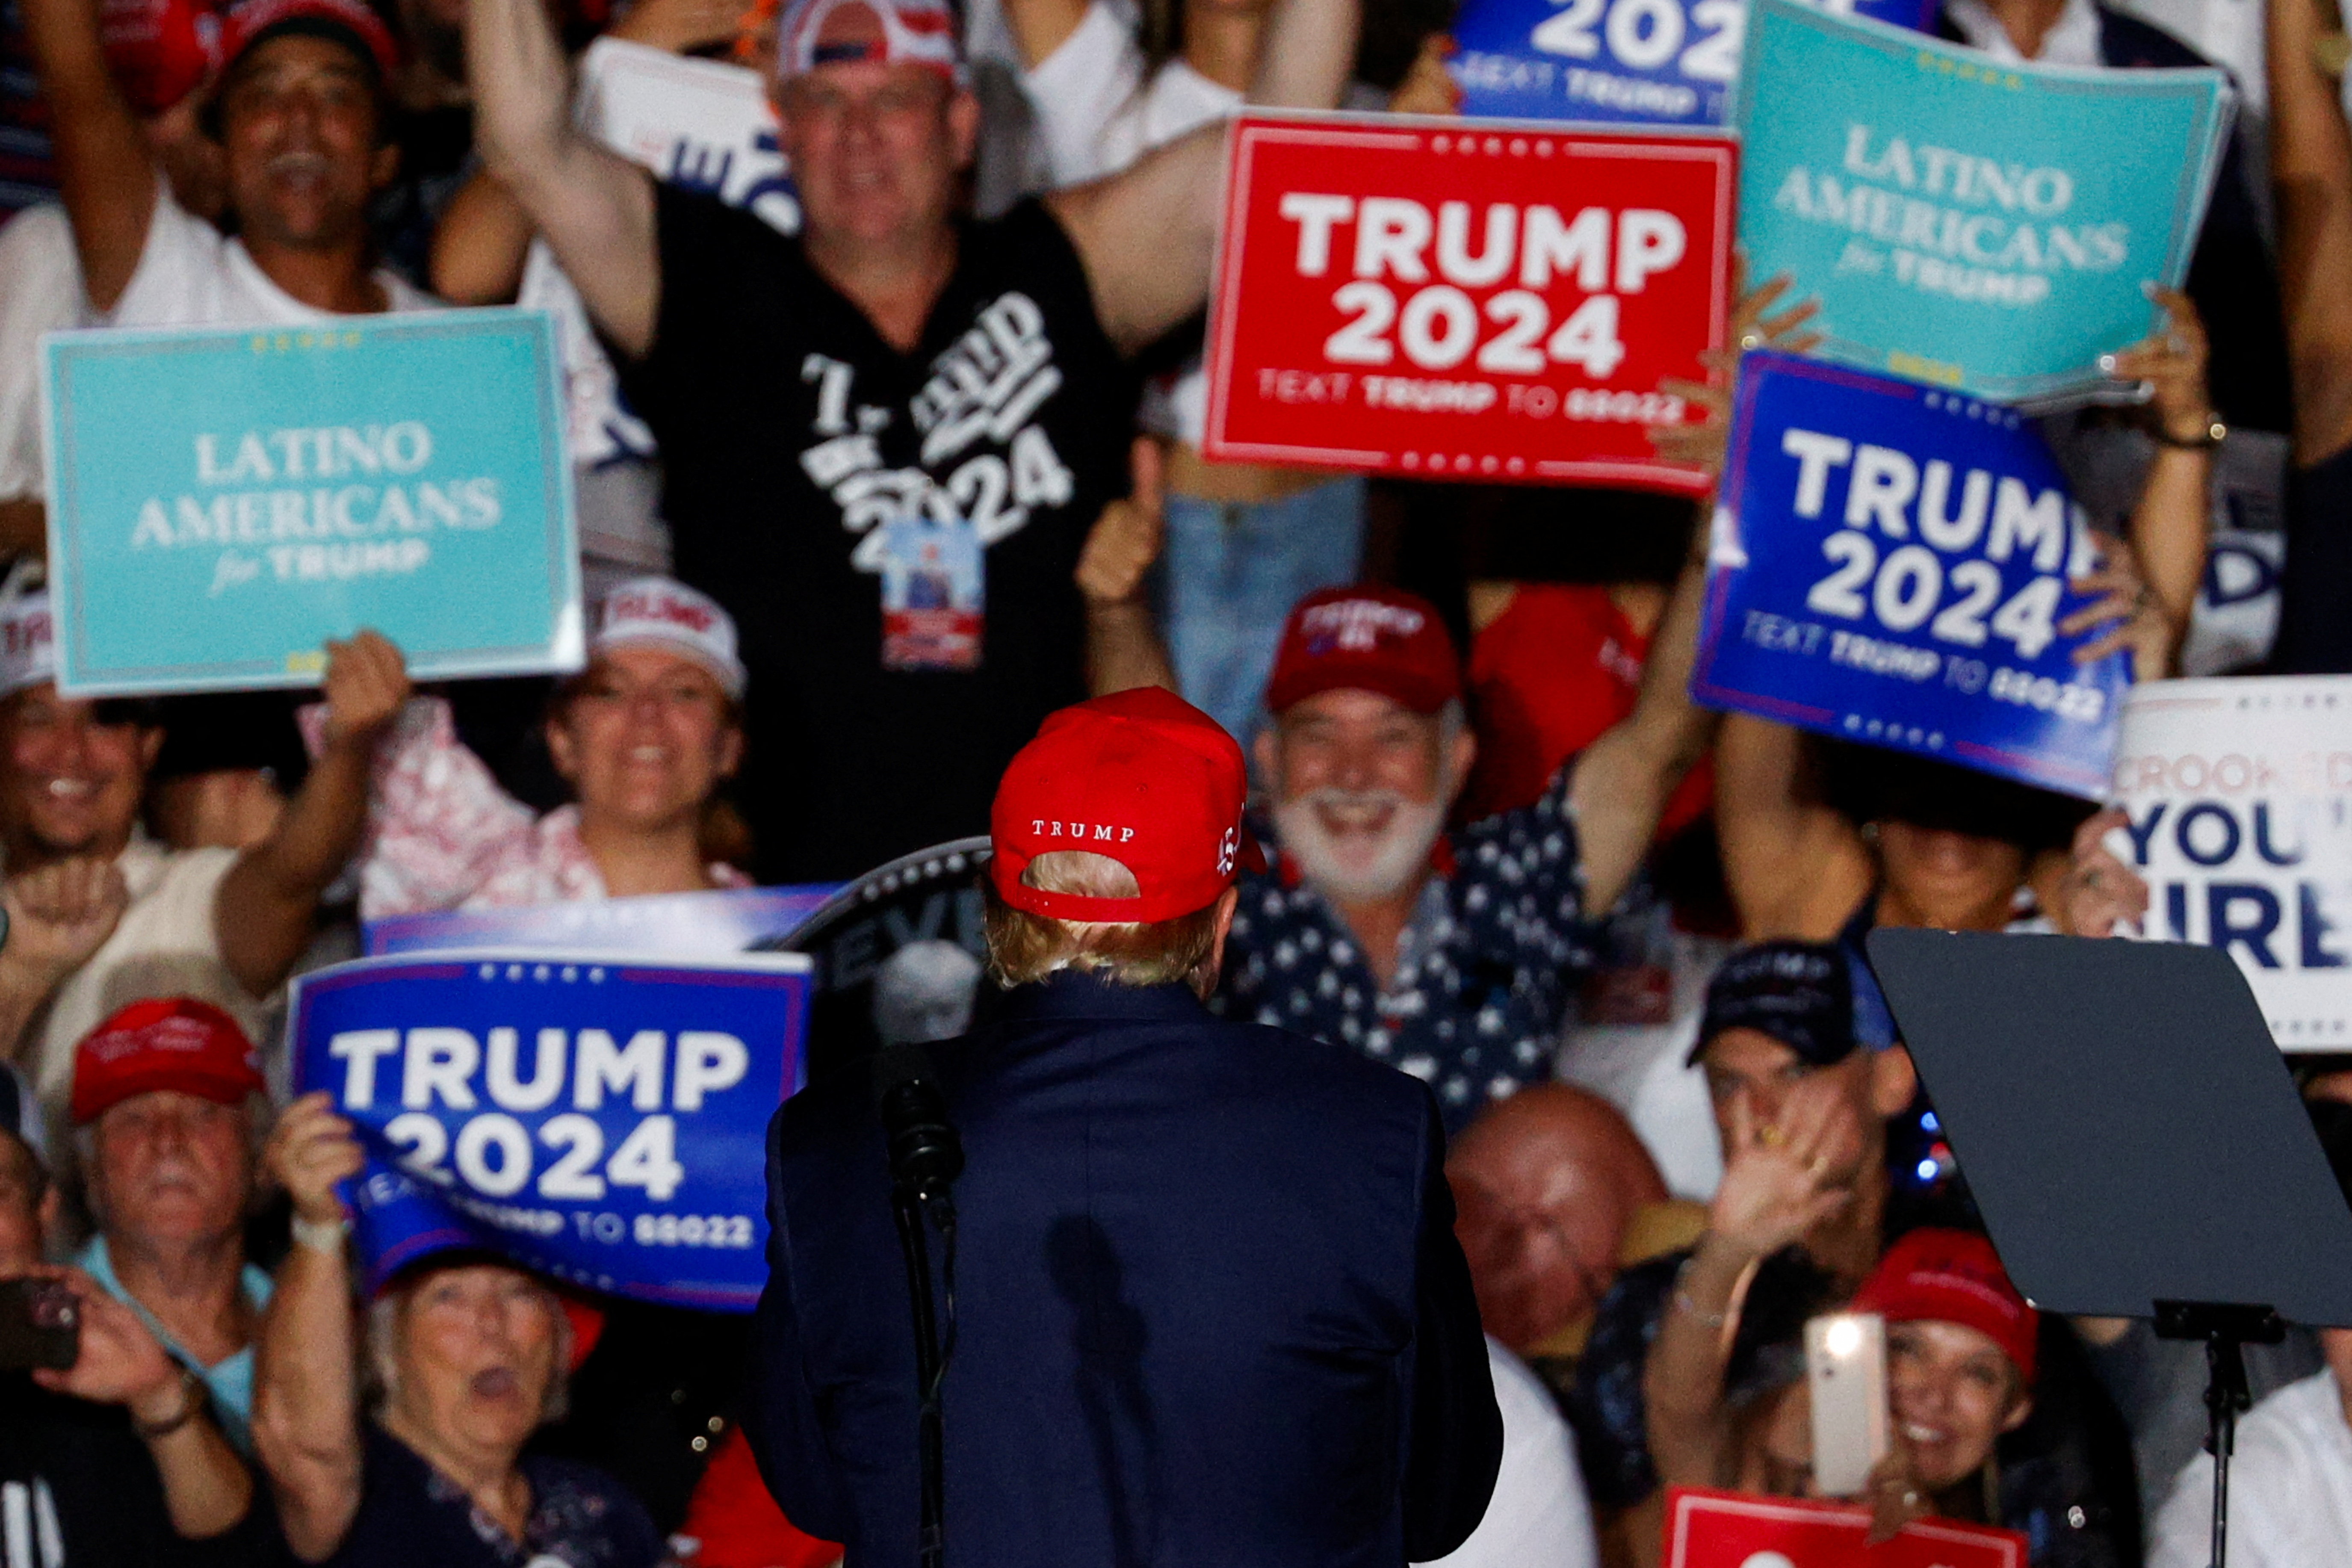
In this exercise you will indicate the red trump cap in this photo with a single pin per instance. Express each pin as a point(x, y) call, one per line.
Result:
point(164, 1043)
point(1366, 639)
point(1142, 777)
point(1953, 1277)
point(353, 23)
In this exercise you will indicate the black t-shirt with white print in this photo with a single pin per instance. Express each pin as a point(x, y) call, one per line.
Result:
point(811, 466)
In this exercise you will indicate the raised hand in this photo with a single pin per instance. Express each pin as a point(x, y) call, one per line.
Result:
point(1126, 539)
point(120, 1364)
point(311, 1149)
point(2129, 609)
point(2172, 362)
point(1783, 1177)
point(1893, 1492)
point(60, 915)
point(1428, 88)
point(2099, 892)
point(366, 685)
point(1702, 444)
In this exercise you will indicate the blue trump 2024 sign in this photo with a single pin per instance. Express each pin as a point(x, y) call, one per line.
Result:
point(1890, 564)
point(598, 1120)
point(1661, 61)
point(1985, 227)
point(222, 501)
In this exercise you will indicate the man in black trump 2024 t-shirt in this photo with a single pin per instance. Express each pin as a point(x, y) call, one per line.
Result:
point(886, 438)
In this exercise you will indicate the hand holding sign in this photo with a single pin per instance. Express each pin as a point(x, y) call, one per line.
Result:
point(1701, 445)
point(2170, 361)
point(310, 1151)
point(366, 686)
point(2099, 892)
point(2125, 616)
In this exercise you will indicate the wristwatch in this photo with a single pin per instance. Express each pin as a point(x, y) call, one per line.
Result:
point(192, 1399)
point(2205, 440)
point(321, 1235)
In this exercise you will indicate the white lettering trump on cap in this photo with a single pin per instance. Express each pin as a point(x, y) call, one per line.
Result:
point(1096, 832)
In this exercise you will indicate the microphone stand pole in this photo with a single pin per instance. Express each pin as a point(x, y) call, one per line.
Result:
point(906, 1208)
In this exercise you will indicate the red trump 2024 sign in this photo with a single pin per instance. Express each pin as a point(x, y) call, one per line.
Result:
point(1725, 1530)
point(1466, 299)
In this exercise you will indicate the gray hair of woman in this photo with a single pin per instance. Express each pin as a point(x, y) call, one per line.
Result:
point(394, 1354)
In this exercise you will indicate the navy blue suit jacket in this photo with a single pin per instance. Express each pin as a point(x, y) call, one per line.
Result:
point(1210, 1308)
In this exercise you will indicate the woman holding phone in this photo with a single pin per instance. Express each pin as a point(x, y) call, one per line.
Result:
point(1962, 1355)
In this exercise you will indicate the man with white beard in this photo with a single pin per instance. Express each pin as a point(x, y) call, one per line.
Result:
point(1451, 956)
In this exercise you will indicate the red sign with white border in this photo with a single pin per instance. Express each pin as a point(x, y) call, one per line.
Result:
point(1480, 299)
point(1728, 1530)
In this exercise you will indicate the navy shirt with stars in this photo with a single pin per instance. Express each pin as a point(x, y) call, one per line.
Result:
point(1486, 967)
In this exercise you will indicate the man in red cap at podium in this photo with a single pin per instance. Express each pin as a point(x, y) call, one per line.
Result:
point(1208, 1304)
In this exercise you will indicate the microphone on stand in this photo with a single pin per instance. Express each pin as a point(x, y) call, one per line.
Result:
point(926, 1154)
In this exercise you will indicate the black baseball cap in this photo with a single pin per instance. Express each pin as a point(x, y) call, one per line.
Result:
point(1799, 992)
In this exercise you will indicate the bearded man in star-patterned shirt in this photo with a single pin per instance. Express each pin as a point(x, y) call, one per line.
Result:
point(1454, 957)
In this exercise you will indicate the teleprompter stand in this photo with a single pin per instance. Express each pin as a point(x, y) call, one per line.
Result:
point(2226, 1330)
point(2133, 1140)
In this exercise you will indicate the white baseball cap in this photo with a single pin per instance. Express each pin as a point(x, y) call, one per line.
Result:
point(813, 32)
point(663, 611)
point(28, 649)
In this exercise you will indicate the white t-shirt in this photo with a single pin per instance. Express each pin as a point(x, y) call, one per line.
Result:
point(2073, 41)
point(1538, 1517)
point(166, 944)
point(40, 291)
point(1092, 115)
point(1096, 114)
point(2289, 1488)
point(190, 275)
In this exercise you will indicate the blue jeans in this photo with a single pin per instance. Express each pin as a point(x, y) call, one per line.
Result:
point(1229, 575)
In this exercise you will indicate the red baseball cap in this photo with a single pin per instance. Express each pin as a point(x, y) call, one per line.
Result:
point(1953, 1277)
point(1368, 639)
point(1140, 776)
point(165, 1042)
point(349, 22)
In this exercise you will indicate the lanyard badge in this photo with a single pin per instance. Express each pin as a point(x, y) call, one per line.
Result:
point(934, 593)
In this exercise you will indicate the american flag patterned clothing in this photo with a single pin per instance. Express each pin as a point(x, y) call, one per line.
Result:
point(1486, 967)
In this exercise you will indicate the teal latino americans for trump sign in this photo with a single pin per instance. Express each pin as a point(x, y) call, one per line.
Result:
point(1963, 222)
point(222, 501)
